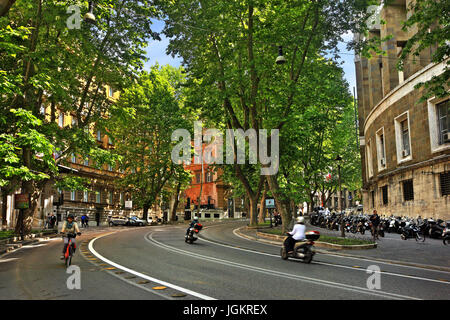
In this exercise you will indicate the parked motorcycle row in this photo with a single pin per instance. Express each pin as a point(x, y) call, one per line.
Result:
point(407, 228)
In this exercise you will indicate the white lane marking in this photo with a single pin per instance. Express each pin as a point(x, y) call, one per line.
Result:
point(187, 291)
point(8, 260)
point(315, 281)
point(330, 264)
point(353, 258)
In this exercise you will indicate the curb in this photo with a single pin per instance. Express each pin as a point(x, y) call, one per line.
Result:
point(322, 244)
point(403, 263)
point(13, 245)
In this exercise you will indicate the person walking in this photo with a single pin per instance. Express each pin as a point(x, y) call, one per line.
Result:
point(375, 220)
point(52, 221)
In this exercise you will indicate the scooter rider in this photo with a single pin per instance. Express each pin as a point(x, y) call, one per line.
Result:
point(192, 224)
point(69, 226)
point(297, 234)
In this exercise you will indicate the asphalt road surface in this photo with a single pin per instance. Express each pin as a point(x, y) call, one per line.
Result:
point(154, 263)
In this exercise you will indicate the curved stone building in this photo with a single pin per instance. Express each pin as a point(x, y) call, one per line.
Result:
point(405, 144)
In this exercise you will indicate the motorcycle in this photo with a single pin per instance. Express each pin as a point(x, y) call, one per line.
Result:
point(191, 236)
point(436, 228)
point(412, 231)
point(446, 234)
point(277, 220)
point(303, 250)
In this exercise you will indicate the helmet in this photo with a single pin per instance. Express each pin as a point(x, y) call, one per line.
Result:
point(300, 220)
point(195, 218)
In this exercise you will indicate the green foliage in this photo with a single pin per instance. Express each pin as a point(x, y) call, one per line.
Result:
point(73, 183)
point(431, 19)
point(142, 122)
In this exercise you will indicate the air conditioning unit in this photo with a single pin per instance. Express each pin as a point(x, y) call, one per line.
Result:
point(446, 137)
point(383, 162)
point(405, 153)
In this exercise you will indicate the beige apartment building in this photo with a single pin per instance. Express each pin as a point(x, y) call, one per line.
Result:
point(404, 143)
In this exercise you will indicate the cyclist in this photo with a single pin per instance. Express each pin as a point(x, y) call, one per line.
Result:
point(69, 226)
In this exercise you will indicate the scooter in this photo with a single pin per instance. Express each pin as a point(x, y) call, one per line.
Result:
point(446, 234)
point(412, 231)
point(302, 250)
point(191, 236)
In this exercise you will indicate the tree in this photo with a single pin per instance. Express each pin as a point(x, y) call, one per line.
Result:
point(229, 50)
point(142, 124)
point(431, 21)
point(67, 70)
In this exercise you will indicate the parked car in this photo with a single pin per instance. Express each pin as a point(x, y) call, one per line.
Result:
point(118, 221)
point(136, 221)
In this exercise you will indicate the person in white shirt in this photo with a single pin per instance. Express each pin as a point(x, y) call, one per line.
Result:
point(297, 234)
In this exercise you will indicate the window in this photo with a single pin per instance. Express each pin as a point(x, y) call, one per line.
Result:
point(405, 137)
point(85, 196)
point(73, 158)
point(110, 197)
point(369, 159)
point(86, 161)
point(373, 199)
point(445, 183)
point(109, 140)
point(408, 190)
point(110, 168)
point(99, 135)
point(111, 92)
point(382, 80)
point(197, 177)
point(384, 191)
point(381, 150)
point(98, 195)
point(443, 110)
point(208, 176)
point(72, 195)
point(402, 137)
point(438, 120)
point(61, 119)
point(42, 110)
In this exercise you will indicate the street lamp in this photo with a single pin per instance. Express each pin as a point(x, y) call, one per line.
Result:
point(89, 16)
point(280, 59)
point(339, 159)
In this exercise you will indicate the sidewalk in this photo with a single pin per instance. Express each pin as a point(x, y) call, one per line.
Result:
point(8, 247)
point(429, 255)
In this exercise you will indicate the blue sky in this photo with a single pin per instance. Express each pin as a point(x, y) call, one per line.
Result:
point(156, 52)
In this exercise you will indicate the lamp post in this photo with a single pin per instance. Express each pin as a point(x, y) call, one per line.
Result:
point(280, 59)
point(339, 159)
point(89, 16)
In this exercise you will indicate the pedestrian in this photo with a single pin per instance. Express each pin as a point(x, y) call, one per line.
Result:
point(86, 221)
point(47, 222)
point(375, 220)
point(52, 221)
point(83, 217)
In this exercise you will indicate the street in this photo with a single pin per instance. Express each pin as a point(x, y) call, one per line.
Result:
point(154, 263)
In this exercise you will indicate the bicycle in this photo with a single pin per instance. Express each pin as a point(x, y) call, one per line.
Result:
point(70, 248)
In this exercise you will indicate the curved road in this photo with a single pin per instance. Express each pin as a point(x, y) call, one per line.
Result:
point(156, 263)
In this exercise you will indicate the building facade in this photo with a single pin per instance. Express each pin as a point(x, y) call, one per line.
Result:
point(404, 143)
point(103, 197)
